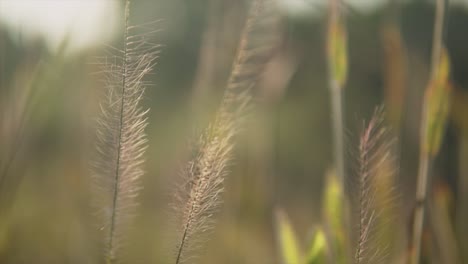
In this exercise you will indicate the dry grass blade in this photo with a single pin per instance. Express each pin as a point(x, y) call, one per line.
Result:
point(121, 140)
point(375, 149)
point(200, 195)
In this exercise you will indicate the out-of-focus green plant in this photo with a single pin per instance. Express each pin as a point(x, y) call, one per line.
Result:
point(337, 46)
point(289, 245)
point(395, 73)
point(337, 60)
point(458, 116)
point(373, 201)
point(437, 100)
point(317, 252)
point(25, 107)
point(442, 224)
point(290, 252)
point(434, 118)
point(334, 216)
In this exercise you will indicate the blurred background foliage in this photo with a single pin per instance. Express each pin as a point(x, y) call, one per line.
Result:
point(49, 95)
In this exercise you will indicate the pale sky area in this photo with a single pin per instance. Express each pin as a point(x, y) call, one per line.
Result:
point(89, 22)
point(303, 7)
point(85, 22)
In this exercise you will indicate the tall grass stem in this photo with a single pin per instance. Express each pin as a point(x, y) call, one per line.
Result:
point(426, 158)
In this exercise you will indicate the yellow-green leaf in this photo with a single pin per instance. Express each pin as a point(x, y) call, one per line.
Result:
point(443, 69)
point(333, 201)
point(288, 243)
point(437, 104)
point(334, 214)
point(337, 52)
point(318, 250)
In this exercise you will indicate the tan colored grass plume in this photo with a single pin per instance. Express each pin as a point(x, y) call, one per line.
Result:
point(199, 196)
point(121, 140)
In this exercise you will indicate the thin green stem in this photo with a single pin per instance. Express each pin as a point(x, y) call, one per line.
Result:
point(426, 159)
point(336, 90)
point(336, 87)
point(438, 37)
point(338, 129)
point(421, 200)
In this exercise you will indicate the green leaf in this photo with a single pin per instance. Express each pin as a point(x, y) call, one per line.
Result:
point(334, 214)
point(287, 239)
point(437, 105)
point(337, 52)
point(317, 252)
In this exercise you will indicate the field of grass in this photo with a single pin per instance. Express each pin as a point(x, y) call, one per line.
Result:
point(222, 131)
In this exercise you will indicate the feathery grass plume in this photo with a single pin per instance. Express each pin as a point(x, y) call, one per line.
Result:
point(121, 140)
point(333, 213)
point(258, 41)
point(387, 199)
point(434, 118)
point(374, 150)
point(287, 240)
point(200, 195)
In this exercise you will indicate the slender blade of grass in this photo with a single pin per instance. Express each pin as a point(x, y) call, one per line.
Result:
point(435, 111)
